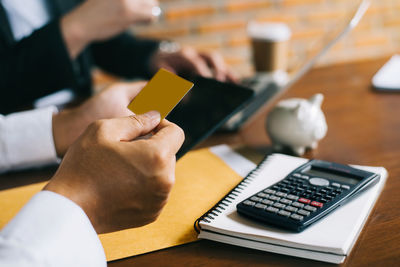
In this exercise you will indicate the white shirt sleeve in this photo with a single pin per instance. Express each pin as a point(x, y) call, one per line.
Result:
point(50, 230)
point(26, 139)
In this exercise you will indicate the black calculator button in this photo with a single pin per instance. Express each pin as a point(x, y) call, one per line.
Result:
point(338, 191)
point(284, 213)
point(303, 212)
point(272, 209)
point(249, 203)
point(292, 197)
point(285, 201)
point(281, 194)
point(309, 192)
point(323, 200)
point(298, 175)
point(310, 208)
point(329, 188)
point(305, 177)
point(260, 206)
point(298, 205)
point(269, 191)
point(346, 187)
point(276, 187)
point(274, 198)
point(337, 185)
point(319, 195)
point(256, 199)
point(285, 190)
point(279, 205)
point(291, 208)
point(317, 204)
point(263, 195)
point(267, 202)
point(297, 217)
point(286, 181)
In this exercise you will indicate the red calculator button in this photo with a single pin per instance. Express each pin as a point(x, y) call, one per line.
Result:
point(304, 200)
point(317, 204)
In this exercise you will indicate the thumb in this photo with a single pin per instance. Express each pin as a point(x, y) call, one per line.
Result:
point(129, 128)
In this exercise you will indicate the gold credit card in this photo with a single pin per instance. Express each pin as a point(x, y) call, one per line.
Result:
point(162, 93)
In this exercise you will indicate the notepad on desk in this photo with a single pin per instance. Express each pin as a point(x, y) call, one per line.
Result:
point(329, 240)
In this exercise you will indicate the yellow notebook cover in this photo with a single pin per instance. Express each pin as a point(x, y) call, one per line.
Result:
point(202, 179)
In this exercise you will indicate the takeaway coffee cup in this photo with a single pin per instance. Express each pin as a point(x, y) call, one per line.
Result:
point(269, 46)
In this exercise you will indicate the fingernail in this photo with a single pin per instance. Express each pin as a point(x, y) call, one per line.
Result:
point(154, 115)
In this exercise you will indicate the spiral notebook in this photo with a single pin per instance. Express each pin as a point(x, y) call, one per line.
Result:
point(329, 240)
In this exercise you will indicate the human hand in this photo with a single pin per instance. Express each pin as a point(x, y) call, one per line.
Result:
point(189, 61)
point(120, 181)
point(109, 103)
point(96, 20)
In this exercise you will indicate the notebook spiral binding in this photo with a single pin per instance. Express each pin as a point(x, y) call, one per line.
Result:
point(231, 196)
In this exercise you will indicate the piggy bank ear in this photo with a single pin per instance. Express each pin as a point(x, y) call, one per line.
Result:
point(316, 100)
point(299, 110)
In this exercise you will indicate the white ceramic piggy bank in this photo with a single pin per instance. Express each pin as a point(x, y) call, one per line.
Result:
point(297, 124)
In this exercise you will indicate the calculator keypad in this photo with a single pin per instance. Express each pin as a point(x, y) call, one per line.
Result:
point(296, 197)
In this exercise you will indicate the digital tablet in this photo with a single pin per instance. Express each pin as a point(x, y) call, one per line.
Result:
point(206, 107)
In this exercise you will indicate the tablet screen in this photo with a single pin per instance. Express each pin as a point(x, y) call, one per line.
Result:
point(205, 108)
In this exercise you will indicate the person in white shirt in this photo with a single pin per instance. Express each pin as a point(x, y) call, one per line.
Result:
point(109, 180)
point(39, 137)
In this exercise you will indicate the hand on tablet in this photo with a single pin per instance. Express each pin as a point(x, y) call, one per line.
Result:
point(189, 61)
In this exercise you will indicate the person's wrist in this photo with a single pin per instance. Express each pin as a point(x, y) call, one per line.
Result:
point(76, 34)
point(67, 126)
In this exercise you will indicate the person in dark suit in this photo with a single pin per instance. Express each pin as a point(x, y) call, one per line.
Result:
point(49, 45)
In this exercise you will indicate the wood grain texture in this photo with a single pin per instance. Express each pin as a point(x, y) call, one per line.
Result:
point(363, 128)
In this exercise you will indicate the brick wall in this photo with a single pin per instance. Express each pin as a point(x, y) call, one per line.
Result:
point(220, 25)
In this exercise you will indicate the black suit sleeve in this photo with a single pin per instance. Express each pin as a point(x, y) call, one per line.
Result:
point(33, 67)
point(124, 55)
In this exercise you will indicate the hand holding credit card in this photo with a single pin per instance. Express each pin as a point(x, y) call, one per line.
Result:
point(162, 93)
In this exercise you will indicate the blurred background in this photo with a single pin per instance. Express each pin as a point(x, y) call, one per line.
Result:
point(221, 25)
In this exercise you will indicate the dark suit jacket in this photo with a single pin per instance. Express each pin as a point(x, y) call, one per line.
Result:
point(40, 64)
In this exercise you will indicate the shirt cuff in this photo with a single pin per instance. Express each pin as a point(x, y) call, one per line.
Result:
point(26, 139)
point(51, 230)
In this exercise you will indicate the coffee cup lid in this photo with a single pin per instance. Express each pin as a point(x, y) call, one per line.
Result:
point(269, 31)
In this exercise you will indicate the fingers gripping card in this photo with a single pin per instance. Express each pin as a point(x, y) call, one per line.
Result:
point(162, 93)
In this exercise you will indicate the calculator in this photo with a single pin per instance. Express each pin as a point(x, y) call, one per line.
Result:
point(306, 195)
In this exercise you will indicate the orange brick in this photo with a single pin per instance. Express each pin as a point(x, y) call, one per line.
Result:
point(242, 5)
point(220, 26)
point(239, 40)
point(290, 3)
point(377, 10)
point(202, 44)
point(234, 60)
point(284, 18)
point(392, 22)
point(165, 32)
point(308, 33)
point(189, 11)
point(327, 15)
point(370, 40)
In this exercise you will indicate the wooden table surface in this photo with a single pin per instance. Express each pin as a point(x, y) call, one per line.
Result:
point(363, 128)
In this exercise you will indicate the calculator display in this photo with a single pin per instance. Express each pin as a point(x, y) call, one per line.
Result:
point(342, 178)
